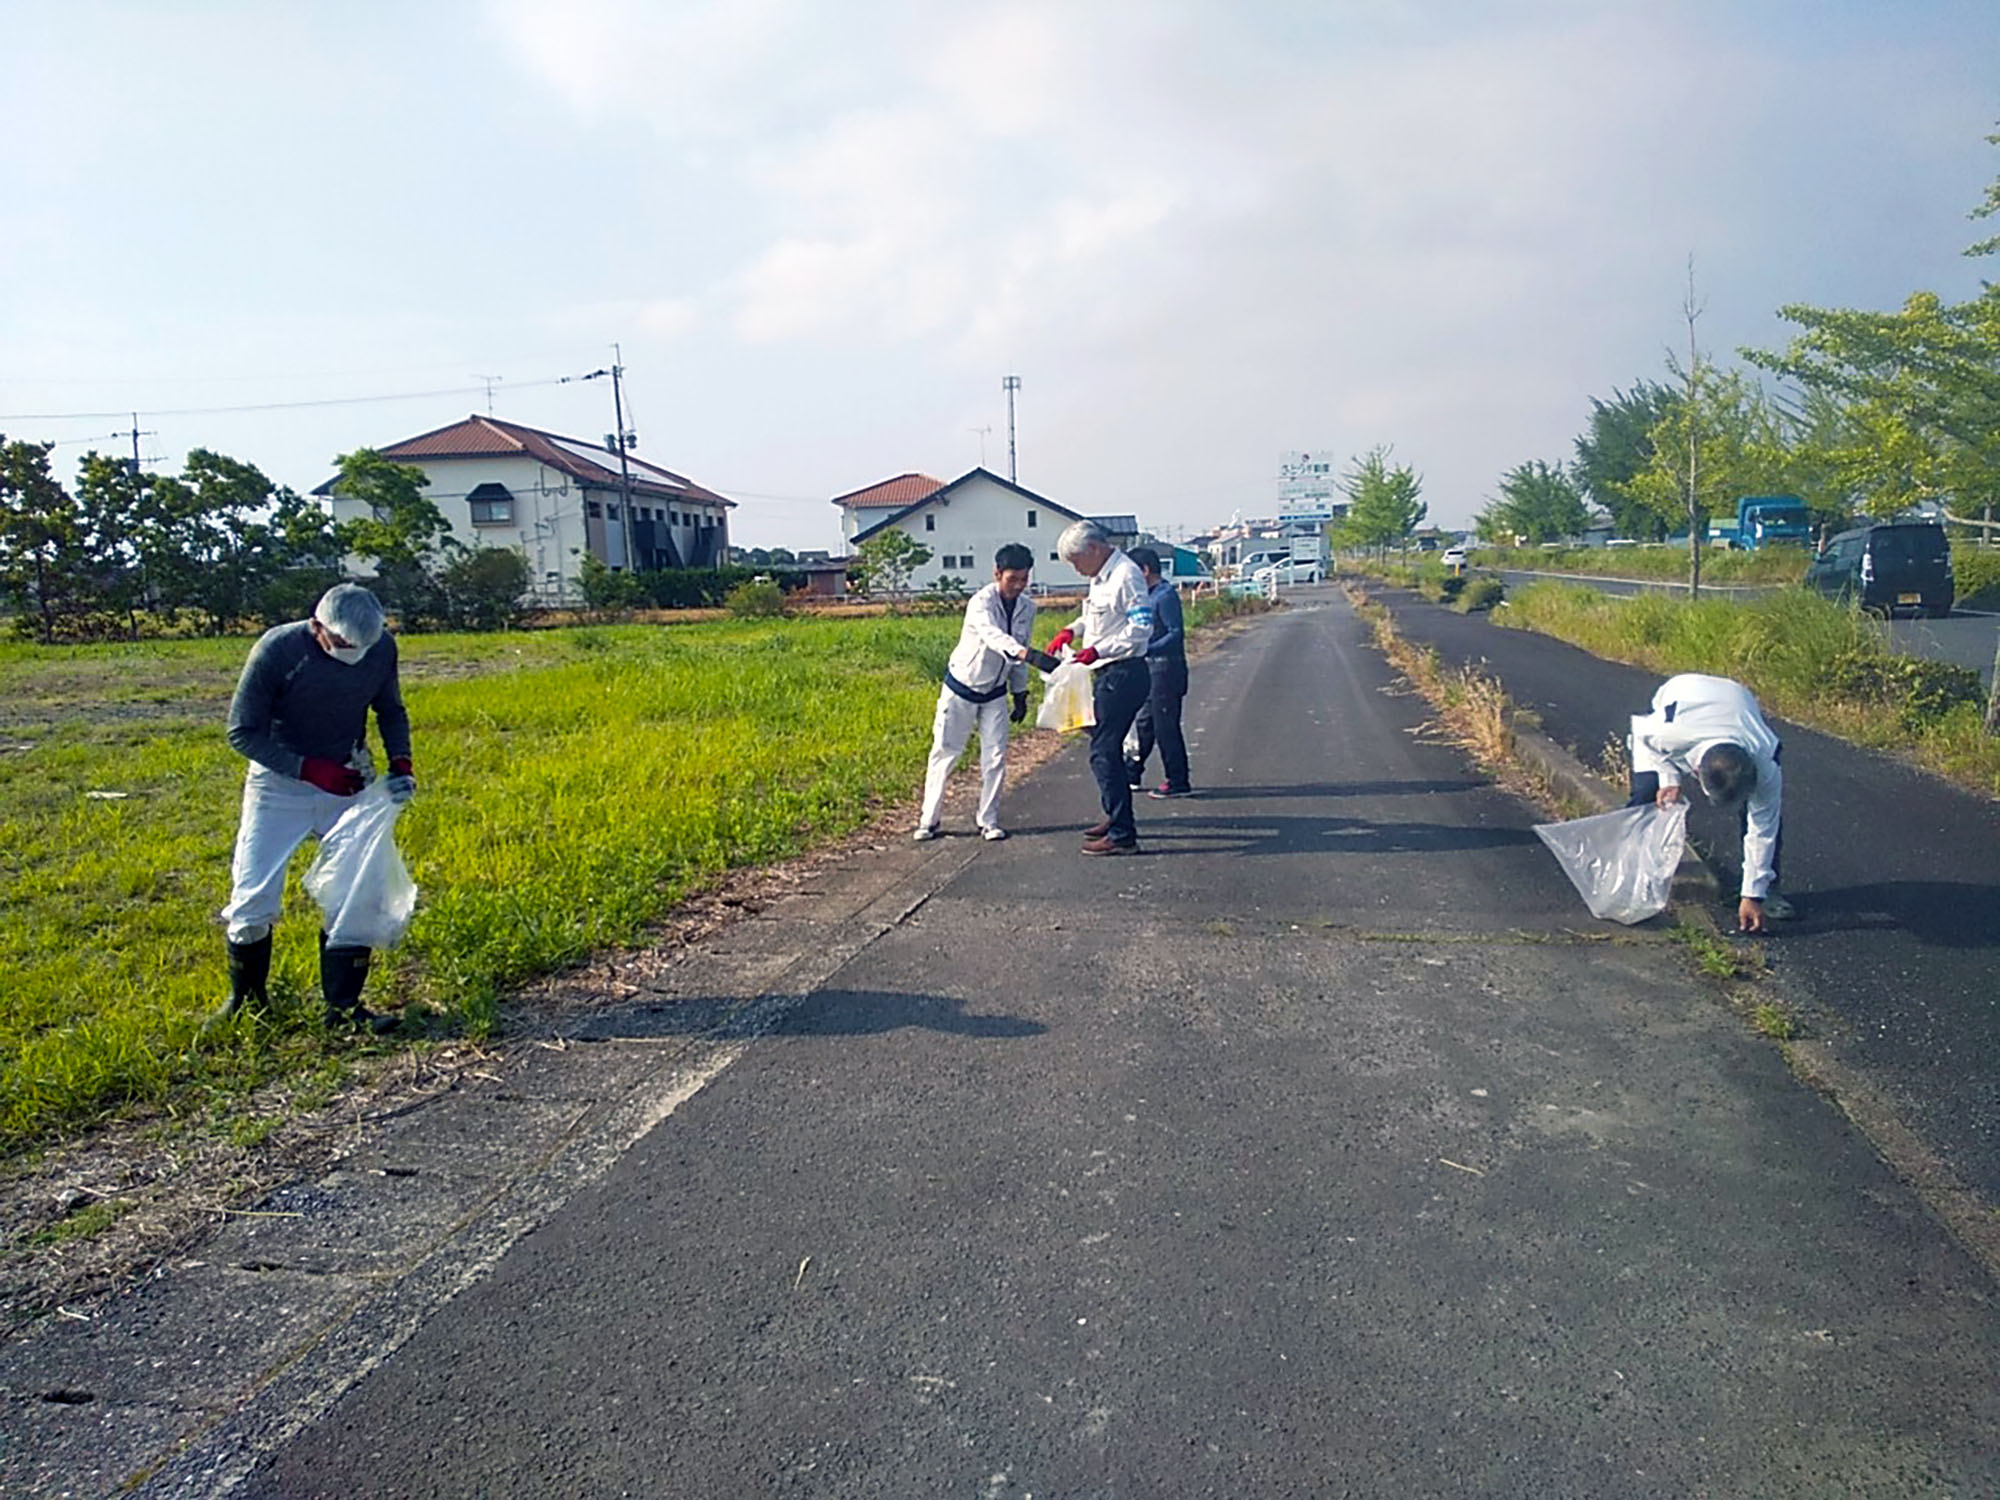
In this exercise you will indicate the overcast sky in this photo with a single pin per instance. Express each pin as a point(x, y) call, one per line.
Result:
point(1200, 233)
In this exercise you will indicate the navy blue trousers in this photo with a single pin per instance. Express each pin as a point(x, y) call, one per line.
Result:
point(1117, 694)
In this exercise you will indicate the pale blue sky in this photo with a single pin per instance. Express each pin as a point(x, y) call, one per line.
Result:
point(1201, 233)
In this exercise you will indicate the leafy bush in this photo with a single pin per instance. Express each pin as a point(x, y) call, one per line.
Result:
point(1978, 576)
point(483, 588)
point(1922, 692)
point(756, 599)
point(1482, 592)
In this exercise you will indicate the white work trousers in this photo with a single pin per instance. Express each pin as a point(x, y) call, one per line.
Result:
point(954, 724)
point(278, 813)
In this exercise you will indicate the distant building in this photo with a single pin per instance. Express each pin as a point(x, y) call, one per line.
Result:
point(862, 509)
point(558, 499)
point(966, 521)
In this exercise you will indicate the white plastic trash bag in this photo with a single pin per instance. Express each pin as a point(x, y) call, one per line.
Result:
point(1066, 703)
point(1622, 862)
point(358, 877)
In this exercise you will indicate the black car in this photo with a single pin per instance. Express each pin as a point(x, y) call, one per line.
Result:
point(1887, 567)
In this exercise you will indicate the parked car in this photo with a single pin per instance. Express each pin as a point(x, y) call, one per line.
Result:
point(1453, 559)
point(1289, 570)
point(1248, 568)
point(1890, 566)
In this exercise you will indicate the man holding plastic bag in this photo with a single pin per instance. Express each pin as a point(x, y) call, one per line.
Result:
point(987, 667)
point(1712, 729)
point(300, 716)
point(1113, 631)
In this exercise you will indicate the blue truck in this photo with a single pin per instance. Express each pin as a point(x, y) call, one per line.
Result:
point(1762, 521)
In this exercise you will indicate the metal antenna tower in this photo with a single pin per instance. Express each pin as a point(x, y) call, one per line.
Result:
point(982, 431)
point(1010, 384)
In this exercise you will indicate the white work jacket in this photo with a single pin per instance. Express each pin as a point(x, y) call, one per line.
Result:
point(989, 642)
point(1117, 618)
point(1690, 713)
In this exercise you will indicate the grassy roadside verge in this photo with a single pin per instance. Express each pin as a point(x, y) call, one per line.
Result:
point(575, 785)
point(1806, 659)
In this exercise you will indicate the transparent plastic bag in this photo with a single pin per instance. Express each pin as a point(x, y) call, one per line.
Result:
point(358, 877)
point(1066, 704)
point(1622, 862)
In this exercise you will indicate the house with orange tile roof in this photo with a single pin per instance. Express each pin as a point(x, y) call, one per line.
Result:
point(860, 509)
point(966, 521)
point(559, 499)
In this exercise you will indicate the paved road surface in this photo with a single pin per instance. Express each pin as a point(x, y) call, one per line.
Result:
point(1965, 639)
point(1896, 876)
point(1327, 1149)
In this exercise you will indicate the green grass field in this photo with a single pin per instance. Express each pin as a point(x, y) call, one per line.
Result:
point(574, 785)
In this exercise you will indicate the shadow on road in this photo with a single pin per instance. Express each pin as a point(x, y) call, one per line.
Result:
point(1252, 835)
point(822, 1013)
point(869, 1013)
point(1938, 913)
point(1337, 789)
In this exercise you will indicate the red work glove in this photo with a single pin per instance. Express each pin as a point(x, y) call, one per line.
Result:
point(331, 776)
point(1063, 638)
point(1087, 655)
point(401, 766)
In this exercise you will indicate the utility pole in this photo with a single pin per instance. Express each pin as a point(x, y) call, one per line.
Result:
point(1011, 384)
point(135, 435)
point(626, 439)
point(622, 441)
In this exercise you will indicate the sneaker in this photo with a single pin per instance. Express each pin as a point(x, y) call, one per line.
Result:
point(1163, 791)
point(1777, 908)
point(925, 834)
point(1109, 845)
point(992, 834)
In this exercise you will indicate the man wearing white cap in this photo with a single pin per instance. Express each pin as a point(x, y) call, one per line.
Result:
point(300, 716)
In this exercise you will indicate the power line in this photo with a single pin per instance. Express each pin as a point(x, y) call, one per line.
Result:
point(207, 411)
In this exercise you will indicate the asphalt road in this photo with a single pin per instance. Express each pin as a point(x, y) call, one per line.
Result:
point(1326, 1148)
point(1896, 876)
point(1964, 638)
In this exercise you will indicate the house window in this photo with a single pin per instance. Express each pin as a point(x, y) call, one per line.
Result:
point(1054, 558)
point(1031, 520)
point(610, 512)
point(491, 505)
point(930, 523)
point(592, 509)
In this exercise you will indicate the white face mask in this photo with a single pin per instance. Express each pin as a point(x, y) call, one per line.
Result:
point(350, 655)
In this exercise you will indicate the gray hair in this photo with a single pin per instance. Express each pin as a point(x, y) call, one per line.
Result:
point(1080, 537)
point(352, 613)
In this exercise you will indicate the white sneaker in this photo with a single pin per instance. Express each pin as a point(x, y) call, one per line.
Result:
point(993, 835)
point(925, 834)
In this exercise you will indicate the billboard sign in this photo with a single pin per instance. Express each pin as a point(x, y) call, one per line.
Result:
point(1307, 487)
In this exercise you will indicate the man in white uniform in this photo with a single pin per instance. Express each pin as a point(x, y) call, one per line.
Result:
point(990, 659)
point(1114, 629)
point(1712, 729)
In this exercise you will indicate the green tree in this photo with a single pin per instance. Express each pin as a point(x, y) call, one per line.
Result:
point(1383, 508)
point(404, 533)
point(1723, 439)
point(1537, 502)
point(889, 560)
point(1921, 389)
point(46, 567)
point(1616, 449)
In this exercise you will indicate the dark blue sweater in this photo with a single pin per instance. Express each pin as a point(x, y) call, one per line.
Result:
point(293, 700)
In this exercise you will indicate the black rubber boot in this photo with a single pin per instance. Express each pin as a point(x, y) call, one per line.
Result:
point(249, 977)
point(342, 973)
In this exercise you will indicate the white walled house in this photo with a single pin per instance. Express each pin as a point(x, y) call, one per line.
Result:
point(861, 509)
point(558, 499)
point(966, 521)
